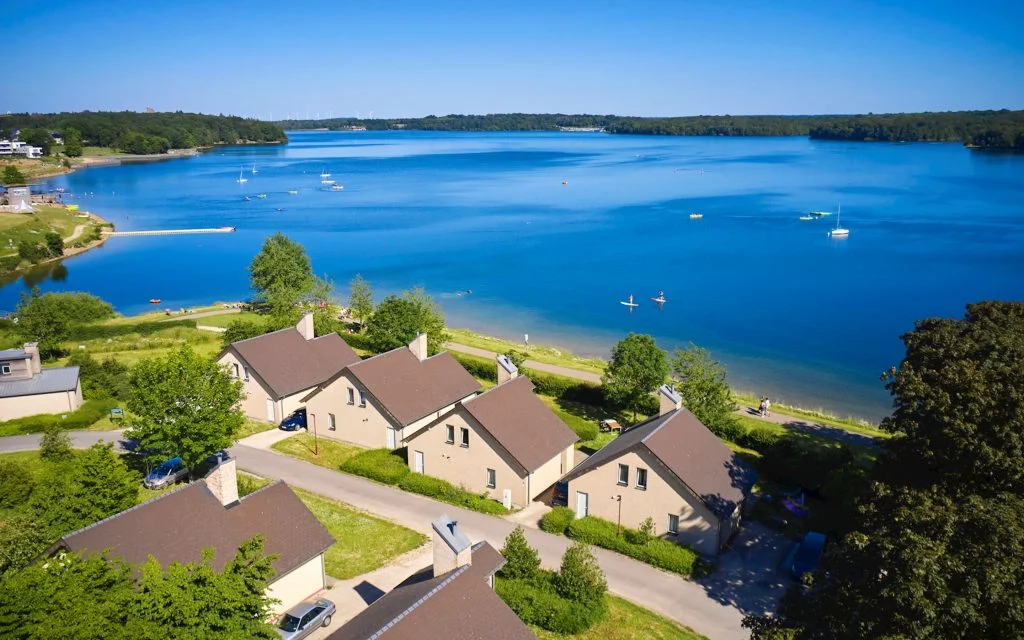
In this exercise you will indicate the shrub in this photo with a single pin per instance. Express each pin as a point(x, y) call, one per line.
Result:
point(16, 483)
point(557, 520)
point(357, 341)
point(479, 368)
point(55, 445)
point(657, 552)
point(447, 492)
point(381, 465)
point(107, 379)
point(728, 429)
point(537, 603)
point(89, 413)
point(759, 439)
point(242, 330)
point(580, 577)
point(522, 560)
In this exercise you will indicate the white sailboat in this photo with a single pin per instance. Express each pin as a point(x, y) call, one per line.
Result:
point(324, 174)
point(241, 178)
point(839, 232)
point(254, 171)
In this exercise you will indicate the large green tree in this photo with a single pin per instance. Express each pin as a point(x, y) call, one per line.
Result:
point(72, 142)
point(12, 175)
point(638, 367)
point(703, 388)
point(397, 320)
point(184, 405)
point(49, 318)
point(281, 272)
point(360, 301)
point(37, 137)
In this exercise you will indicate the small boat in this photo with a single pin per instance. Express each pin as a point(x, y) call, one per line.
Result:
point(261, 196)
point(337, 187)
point(327, 182)
point(154, 301)
point(241, 179)
point(565, 182)
point(247, 198)
point(324, 174)
point(818, 214)
point(696, 216)
point(807, 217)
point(254, 171)
point(293, 192)
point(632, 305)
point(839, 232)
point(279, 209)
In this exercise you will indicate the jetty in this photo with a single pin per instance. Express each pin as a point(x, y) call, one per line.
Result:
point(167, 232)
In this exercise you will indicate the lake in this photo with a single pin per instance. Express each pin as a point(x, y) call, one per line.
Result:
point(551, 231)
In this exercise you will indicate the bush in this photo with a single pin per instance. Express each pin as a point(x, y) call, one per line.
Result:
point(479, 368)
point(381, 465)
point(557, 520)
point(55, 445)
point(242, 330)
point(522, 560)
point(580, 578)
point(16, 483)
point(537, 603)
point(357, 341)
point(91, 412)
point(657, 552)
point(759, 439)
point(107, 379)
point(447, 492)
point(728, 429)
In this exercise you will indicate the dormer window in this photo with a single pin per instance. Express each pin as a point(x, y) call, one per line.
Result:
point(5, 369)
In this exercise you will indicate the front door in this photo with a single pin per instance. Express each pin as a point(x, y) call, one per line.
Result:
point(417, 461)
point(582, 504)
point(270, 409)
point(391, 438)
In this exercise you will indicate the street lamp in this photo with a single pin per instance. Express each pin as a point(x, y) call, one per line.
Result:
point(618, 523)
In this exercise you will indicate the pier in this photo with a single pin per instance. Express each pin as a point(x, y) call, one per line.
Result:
point(167, 232)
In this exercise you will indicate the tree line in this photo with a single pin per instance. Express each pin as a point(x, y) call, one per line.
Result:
point(134, 132)
point(984, 129)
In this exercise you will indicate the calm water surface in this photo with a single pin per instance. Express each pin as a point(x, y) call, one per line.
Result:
point(795, 314)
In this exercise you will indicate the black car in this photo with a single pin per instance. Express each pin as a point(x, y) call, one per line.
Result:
point(294, 422)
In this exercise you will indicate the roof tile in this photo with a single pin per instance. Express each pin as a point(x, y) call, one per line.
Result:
point(289, 363)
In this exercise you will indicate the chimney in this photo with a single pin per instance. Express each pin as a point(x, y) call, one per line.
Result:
point(506, 370)
point(669, 400)
point(305, 325)
point(223, 482)
point(418, 346)
point(452, 548)
point(32, 349)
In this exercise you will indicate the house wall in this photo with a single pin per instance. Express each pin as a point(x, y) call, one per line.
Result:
point(366, 426)
point(297, 585)
point(549, 473)
point(21, 369)
point(21, 406)
point(467, 466)
point(698, 527)
point(255, 393)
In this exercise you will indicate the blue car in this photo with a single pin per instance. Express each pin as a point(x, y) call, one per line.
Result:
point(807, 555)
point(166, 473)
point(295, 421)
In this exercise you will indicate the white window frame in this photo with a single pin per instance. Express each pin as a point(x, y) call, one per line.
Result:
point(623, 479)
point(246, 369)
point(449, 434)
point(641, 486)
point(351, 396)
point(673, 529)
point(492, 478)
point(464, 437)
point(5, 369)
point(236, 371)
point(362, 399)
point(332, 422)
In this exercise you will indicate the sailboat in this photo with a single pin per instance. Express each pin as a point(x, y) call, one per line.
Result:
point(241, 178)
point(324, 174)
point(839, 232)
point(254, 171)
point(632, 305)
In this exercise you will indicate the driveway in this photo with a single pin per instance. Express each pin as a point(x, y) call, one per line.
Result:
point(747, 576)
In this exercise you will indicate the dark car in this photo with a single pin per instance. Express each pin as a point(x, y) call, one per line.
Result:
point(305, 618)
point(807, 555)
point(560, 498)
point(294, 422)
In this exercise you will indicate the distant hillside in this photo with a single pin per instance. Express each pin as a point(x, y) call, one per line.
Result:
point(135, 132)
point(989, 129)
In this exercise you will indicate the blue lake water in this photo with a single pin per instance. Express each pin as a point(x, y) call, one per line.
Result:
point(797, 315)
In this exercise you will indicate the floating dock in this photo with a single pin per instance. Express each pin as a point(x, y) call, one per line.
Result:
point(167, 232)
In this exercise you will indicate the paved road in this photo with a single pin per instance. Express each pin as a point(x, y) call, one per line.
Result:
point(530, 364)
point(79, 439)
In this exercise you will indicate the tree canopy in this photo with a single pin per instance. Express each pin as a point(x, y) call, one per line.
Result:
point(184, 405)
point(360, 301)
point(637, 368)
point(12, 175)
point(703, 388)
point(47, 318)
point(397, 320)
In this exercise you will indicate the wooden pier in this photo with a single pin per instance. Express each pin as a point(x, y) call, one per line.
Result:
point(167, 232)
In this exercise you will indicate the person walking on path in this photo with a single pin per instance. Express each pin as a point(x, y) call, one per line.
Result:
point(762, 407)
point(767, 407)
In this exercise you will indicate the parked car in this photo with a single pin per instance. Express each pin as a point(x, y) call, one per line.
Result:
point(806, 557)
point(560, 498)
point(305, 618)
point(294, 422)
point(166, 473)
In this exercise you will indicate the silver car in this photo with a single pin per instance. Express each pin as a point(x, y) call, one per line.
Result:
point(305, 618)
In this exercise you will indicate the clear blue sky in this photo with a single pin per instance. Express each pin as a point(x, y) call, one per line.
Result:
point(683, 57)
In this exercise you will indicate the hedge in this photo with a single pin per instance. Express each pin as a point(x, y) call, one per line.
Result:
point(759, 439)
point(480, 368)
point(537, 603)
point(357, 340)
point(91, 412)
point(557, 520)
point(447, 492)
point(660, 553)
point(377, 464)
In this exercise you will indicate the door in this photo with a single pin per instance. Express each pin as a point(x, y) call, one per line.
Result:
point(391, 439)
point(582, 504)
point(270, 409)
point(417, 461)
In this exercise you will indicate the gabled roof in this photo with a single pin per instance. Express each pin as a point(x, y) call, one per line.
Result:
point(177, 526)
point(458, 605)
point(289, 363)
point(408, 388)
point(13, 354)
point(521, 422)
point(46, 381)
point(689, 451)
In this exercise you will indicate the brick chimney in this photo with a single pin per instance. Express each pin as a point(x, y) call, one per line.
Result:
point(506, 370)
point(418, 346)
point(669, 400)
point(223, 482)
point(305, 326)
point(32, 349)
point(452, 548)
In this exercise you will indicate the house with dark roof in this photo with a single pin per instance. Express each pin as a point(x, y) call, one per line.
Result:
point(382, 401)
point(279, 369)
point(26, 389)
point(452, 600)
point(671, 469)
point(504, 442)
point(179, 525)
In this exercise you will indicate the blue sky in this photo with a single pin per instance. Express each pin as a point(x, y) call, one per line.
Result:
point(285, 59)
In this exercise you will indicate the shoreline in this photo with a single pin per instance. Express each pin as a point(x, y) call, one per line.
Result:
point(101, 222)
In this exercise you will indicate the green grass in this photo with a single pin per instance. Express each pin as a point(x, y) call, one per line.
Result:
point(99, 151)
point(820, 416)
point(364, 542)
point(577, 414)
point(540, 353)
point(129, 340)
point(224, 319)
point(332, 452)
point(15, 227)
point(252, 427)
point(626, 621)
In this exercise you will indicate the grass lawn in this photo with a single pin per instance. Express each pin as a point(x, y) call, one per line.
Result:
point(99, 151)
point(129, 340)
point(251, 427)
point(224, 319)
point(15, 227)
point(820, 416)
point(626, 621)
point(364, 542)
point(540, 353)
point(332, 452)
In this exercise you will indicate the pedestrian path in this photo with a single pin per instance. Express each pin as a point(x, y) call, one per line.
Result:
point(585, 376)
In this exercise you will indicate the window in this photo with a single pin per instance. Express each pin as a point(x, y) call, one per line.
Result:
point(247, 374)
point(332, 425)
point(624, 474)
point(236, 371)
point(351, 395)
point(641, 478)
point(449, 434)
point(673, 523)
point(5, 369)
point(465, 437)
point(492, 480)
point(362, 398)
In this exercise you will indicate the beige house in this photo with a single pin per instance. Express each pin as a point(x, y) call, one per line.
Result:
point(504, 442)
point(671, 469)
point(383, 400)
point(278, 369)
point(177, 526)
point(453, 599)
point(26, 389)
